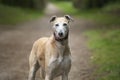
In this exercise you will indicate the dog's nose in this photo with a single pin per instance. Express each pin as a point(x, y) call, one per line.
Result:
point(60, 34)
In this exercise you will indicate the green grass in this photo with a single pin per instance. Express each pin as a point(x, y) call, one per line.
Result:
point(66, 7)
point(100, 16)
point(105, 45)
point(15, 15)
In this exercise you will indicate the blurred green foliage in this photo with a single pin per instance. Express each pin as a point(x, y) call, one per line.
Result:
point(108, 15)
point(35, 4)
point(60, 0)
point(14, 15)
point(88, 4)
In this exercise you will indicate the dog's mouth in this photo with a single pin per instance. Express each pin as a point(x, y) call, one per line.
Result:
point(58, 38)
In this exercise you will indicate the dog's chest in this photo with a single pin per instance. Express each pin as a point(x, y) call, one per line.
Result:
point(60, 65)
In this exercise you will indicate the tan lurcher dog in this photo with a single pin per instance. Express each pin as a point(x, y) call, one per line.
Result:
point(52, 55)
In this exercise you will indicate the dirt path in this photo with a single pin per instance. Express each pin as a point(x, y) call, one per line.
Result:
point(15, 46)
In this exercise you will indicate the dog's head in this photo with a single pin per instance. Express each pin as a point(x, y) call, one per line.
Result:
point(61, 26)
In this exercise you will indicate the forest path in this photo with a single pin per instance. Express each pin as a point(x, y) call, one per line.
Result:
point(16, 44)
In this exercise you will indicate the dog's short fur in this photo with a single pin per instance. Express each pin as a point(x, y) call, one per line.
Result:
point(52, 55)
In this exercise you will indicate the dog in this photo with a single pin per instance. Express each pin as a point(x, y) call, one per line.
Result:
point(52, 55)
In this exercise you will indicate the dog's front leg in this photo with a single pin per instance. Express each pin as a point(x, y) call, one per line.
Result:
point(34, 66)
point(33, 70)
point(65, 77)
point(48, 77)
point(49, 74)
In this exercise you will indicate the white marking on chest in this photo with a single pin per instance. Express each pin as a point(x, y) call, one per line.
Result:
point(59, 57)
point(55, 59)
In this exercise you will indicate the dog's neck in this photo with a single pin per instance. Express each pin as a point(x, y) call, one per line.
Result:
point(63, 42)
point(62, 47)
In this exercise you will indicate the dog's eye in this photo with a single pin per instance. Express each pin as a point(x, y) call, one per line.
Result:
point(56, 25)
point(64, 24)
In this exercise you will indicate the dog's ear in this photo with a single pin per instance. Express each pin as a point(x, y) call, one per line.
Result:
point(53, 18)
point(68, 18)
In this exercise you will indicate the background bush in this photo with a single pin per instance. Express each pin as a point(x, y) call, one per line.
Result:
point(87, 4)
point(60, 0)
point(35, 4)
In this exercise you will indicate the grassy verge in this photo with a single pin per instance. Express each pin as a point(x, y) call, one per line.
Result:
point(101, 16)
point(14, 15)
point(105, 45)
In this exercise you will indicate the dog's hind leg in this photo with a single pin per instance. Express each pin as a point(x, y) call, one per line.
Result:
point(34, 66)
